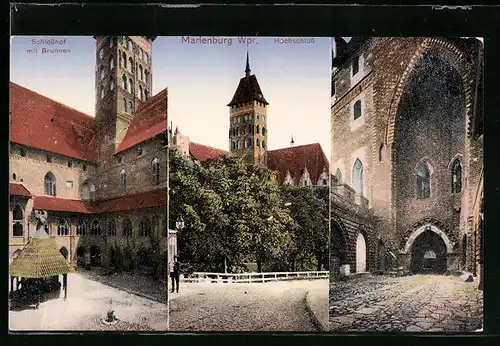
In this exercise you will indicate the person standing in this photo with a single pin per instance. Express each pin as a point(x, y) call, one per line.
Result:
point(174, 274)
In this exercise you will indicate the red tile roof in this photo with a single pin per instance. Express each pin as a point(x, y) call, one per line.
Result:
point(295, 159)
point(61, 204)
point(40, 122)
point(154, 198)
point(202, 152)
point(150, 120)
point(19, 190)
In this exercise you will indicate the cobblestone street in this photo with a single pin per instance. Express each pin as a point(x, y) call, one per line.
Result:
point(272, 306)
point(419, 303)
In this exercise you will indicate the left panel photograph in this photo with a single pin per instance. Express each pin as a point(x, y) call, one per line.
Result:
point(87, 184)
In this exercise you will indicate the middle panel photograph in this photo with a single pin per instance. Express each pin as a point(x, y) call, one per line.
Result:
point(249, 179)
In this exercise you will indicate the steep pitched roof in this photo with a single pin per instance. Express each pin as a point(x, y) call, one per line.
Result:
point(150, 120)
point(296, 159)
point(203, 152)
point(19, 190)
point(248, 90)
point(40, 122)
point(40, 258)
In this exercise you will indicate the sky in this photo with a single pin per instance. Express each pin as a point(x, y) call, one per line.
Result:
point(201, 81)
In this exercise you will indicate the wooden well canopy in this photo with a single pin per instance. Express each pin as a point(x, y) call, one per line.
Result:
point(40, 258)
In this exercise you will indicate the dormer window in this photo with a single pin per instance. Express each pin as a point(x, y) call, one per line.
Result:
point(355, 65)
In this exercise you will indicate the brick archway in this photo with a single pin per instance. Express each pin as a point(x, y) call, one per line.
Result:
point(451, 54)
point(433, 225)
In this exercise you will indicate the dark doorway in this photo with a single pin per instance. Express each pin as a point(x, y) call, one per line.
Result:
point(381, 266)
point(95, 256)
point(64, 252)
point(428, 254)
point(337, 244)
point(80, 256)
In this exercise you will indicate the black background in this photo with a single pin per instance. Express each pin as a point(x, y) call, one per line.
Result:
point(289, 20)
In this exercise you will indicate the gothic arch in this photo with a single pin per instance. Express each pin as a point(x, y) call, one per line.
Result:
point(429, 224)
point(458, 157)
point(448, 52)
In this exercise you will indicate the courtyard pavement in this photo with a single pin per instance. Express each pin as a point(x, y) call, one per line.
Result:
point(271, 306)
point(418, 303)
point(87, 304)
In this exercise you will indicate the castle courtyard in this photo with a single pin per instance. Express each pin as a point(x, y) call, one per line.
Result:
point(87, 304)
point(417, 303)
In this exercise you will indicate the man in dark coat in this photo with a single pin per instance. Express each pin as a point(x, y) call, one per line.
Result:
point(174, 274)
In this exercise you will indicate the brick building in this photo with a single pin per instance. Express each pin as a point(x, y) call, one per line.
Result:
point(101, 179)
point(406, 179)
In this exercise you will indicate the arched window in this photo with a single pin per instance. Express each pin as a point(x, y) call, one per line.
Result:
point(125, 105)
point(141, 93)
point(127, 227)
point(258, 142)
point(130, 86)
point(141, 75)
point(62, 227)
point(111, 63)
point(357, 176)
point(14, 176)
point(263, 144)
point(17, 221)
point(130, 45)
point(155, 170)
point(95, 228)
point(123, 178)
point(146, 57)
point(423, 181)
point(456, 176)
point(146, 94)
point(381, 153)
point(258, 129)
point(131, 107)
point(263, 131)
point(124, 60)
point(103, 73)
point(124, 80)
point(357, 109)
point(112, 227)
point(141, 53)
point(144, 228)
point(112, 84)
point(338, 175)
point(131, 64)
point(146, 74)
point(50, 184)
point(81, 228)
point(102, 92)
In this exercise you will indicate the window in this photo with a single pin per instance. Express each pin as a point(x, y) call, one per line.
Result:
point(141, 75)
point(50, 184)
point(130, 45)
point(325, 182)
point(123, 177)
point(111, 39)
point(81, 228)
point(357, 176)
point(22, 152)
point(145, 94)
point(263, 131)
point(338, 175)
point(139, 151)
point(103, 73)
point(84, 167)
point(101, 53)
point(111, 227)
point(131, 107)
point(257, 116)
point(258, 142)
point(69, 184)
point(17, 221)
point(95, 228)
point(120, 159)
point(141, 53)
point(124, 60)
point(381, 153)
point(124, 80)
point(146, 57)
point(102, 92)
point(141, 93)
point(357, 109)
point(263, 144)
point(49, 159)
point(88, 191)
point(355, 65)
point(456, 177)
point(333, 87)
point(263, 118)
point(155, 170)
point(125, 105)
point(112, 84)
point(127, 227)
point(146, 74)
point(257, 129)
point(144, 228)
point(131, 64)
point(70, 163)
point(14, 176)
point(62, 227)
point(111, 63)
point(423, 182)
point(233, 146)
point(249, 143)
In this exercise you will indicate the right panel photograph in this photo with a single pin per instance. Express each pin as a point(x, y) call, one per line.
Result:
point(406, 200)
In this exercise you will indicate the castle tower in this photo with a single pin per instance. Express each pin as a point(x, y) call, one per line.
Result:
point(248, 120)
point(123, 81)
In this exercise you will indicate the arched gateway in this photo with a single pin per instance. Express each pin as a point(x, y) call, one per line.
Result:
point(428, 247)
